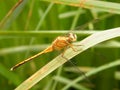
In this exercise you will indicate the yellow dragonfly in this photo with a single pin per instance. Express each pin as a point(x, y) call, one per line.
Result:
point(61, 42)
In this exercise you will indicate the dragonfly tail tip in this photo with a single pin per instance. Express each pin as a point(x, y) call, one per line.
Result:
point(11, 69)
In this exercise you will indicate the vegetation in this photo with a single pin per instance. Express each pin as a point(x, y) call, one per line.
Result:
point(34, 24)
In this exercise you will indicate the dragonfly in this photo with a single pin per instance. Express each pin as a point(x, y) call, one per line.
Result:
point(60, 43)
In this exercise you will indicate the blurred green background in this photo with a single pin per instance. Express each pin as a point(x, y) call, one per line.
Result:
point(17, 43)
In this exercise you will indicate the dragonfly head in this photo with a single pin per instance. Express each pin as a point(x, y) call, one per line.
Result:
point(72, 37)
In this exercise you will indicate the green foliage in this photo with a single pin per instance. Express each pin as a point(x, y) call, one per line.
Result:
point(35, 23)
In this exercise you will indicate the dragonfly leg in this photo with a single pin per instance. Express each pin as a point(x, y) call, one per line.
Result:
point(62, 55)
point(71, 46)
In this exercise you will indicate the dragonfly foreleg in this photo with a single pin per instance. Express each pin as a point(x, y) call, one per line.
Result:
point(62, 55)
point(74, 49)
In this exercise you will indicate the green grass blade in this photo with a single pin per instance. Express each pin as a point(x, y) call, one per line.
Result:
point(67, 81)
point(28, 34)
point(91, 4)
point(95, 71)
